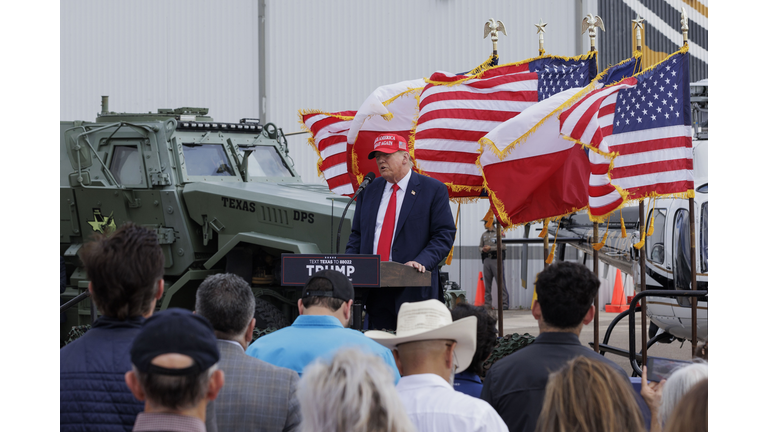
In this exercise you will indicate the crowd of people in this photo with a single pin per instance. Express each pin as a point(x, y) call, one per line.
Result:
point(181, 370)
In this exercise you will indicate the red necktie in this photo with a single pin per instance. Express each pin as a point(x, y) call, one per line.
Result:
point(388, 227)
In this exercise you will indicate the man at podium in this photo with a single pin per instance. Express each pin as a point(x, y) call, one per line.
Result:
point(404, 217)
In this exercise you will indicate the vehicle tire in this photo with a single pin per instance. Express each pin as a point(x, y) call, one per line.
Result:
point(267, 315)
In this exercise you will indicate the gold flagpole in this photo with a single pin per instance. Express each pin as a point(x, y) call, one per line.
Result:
point(492, 27)
point(590, 23)
point(692, 224)
point(540, 30)
point(638, 25)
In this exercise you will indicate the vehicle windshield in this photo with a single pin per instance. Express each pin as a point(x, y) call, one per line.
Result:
point(126, 165)
point(265, 161)
point(654, 244)
point(207, 160)
point(682, 250)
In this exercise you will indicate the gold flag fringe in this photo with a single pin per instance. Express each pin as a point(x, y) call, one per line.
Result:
point(412, 138)
point(449, 259)
point(488, 218)
point(623, 228)
point(480, 74)
point(389, 116)
point(466, 200)
point(544, 229)
point(485, 65)
point(551, 255)
point(653, 218)
point(409, 90)
point(311, 139)
point(502, 212)
point(598, 246)
point(557, 111)
point(639, 245)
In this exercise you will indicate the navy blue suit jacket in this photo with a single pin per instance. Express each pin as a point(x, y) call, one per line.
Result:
point(425, 228)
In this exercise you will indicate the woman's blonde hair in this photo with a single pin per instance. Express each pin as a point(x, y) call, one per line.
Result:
point(589, 396)
point(353, 392)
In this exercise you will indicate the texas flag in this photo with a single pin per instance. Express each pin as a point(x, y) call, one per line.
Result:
point(455, 111)
point(530, 171)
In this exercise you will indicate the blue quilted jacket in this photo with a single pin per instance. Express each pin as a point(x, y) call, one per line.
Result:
point(93, 394)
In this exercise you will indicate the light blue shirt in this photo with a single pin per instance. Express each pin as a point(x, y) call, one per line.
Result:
point(311, 337)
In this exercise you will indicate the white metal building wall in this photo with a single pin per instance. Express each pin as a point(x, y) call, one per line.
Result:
point(146, 55)
point(330, 56)
point(319, 55)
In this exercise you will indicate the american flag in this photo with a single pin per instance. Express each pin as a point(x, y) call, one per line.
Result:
point(643, 126)
point(329, 139)
point(531, 172)
point(455, 111)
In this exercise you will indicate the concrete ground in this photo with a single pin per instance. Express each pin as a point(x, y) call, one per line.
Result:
point(521, 321)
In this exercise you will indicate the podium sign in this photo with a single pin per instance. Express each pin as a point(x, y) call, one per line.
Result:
point(362, 270)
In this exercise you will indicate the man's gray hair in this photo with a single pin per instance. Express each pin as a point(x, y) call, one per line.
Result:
point(178, 393)
point(227, 301)
point(678, 384)
point(353, 392)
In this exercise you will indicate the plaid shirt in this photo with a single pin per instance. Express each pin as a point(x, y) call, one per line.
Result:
point(156, 422)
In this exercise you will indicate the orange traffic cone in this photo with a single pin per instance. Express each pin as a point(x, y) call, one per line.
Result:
point(480, 291)
point(619, 300)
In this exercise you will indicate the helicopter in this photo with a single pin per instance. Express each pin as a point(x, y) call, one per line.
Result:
point(667, 245)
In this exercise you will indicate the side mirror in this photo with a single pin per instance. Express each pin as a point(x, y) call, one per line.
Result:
point(657, 253)
point(79, 153)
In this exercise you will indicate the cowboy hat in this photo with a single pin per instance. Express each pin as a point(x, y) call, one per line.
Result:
point(430, 320)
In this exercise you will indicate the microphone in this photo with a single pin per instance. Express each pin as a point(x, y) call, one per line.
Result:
point(366, 181)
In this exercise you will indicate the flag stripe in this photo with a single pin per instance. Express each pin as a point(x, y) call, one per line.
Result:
point(446, 145)
point(443, 156)
point(663, 188)
point(596, 191)
point(467, 114)
point(332, 140)
point(457, 178)
point(467, 169)
point(654, 167)
point(513, 95)
point(453, 134)
point(463, 112)
point(603, 210)
point(646, 123)
point(329, 136)
point(337, 159)
point(333, 149)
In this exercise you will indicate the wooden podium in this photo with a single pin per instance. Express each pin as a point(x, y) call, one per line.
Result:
point(393, 275)
point(365, 272)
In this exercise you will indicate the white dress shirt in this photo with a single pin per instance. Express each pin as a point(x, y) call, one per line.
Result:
point(402, 185)
point(433, 405)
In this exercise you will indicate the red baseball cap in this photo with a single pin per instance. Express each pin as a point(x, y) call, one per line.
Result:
point(388, 143)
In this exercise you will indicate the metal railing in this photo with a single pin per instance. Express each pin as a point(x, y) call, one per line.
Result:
point(78, 299)
point(633, 305)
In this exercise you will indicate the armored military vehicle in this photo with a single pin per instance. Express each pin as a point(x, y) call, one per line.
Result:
point(221, 197)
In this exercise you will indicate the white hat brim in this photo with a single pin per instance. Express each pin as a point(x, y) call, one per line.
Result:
point(463, 331)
